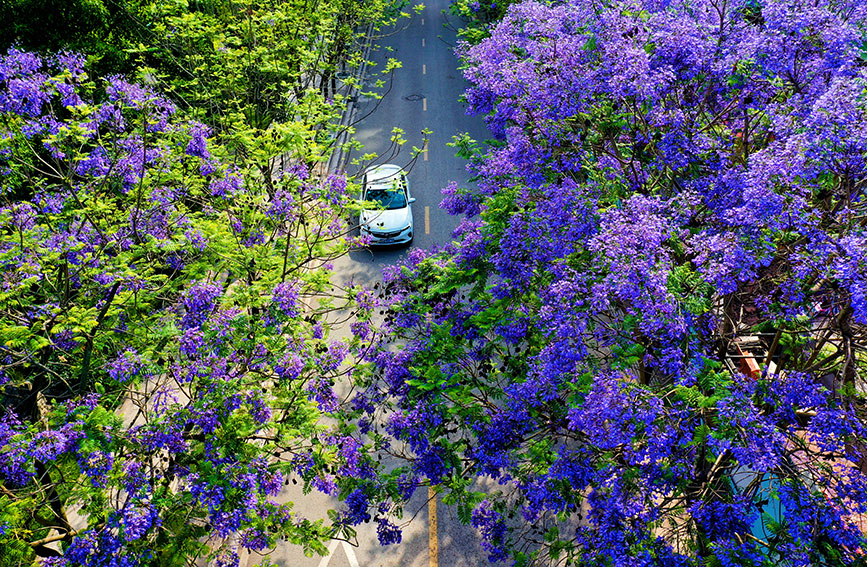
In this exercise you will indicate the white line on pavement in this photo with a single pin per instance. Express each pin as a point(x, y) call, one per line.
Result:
point(350, 554)
point(353, 561)
point(331, 547)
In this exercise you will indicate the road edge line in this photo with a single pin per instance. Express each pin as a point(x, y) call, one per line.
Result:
point(432, 541)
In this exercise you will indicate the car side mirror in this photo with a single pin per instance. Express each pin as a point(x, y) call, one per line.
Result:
point(411, 200)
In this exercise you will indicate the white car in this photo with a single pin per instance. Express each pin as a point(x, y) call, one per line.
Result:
point(391, 221)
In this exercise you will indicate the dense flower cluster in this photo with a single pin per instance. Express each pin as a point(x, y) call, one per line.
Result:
point(491, 525)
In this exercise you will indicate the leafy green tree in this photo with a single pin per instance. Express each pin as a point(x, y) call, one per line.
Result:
point(104, 30)
point(261, 74)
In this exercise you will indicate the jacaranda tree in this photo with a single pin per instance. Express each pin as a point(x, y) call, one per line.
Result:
point(147, 267)
point(649, 335)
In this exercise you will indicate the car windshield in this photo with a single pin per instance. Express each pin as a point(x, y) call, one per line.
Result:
point(387, 198)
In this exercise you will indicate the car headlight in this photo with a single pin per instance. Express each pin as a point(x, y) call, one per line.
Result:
point(407, 227)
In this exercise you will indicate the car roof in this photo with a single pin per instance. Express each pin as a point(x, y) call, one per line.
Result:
point(383, 175)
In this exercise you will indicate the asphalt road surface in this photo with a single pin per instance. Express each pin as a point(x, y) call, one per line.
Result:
point(424, 94)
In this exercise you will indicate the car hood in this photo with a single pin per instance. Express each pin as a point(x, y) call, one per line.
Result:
point(386, 220)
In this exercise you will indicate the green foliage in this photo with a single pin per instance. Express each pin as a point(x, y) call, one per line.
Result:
point(477, 16)
point(103, 29)
point(690, 289)
point(261, 75)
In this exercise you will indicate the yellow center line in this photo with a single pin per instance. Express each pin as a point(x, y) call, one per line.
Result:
point(433, 545)
point(422, 42)
point(427, 220)
point(423, 69)
point(422, 21)
point(425, 150)
point(424, 104)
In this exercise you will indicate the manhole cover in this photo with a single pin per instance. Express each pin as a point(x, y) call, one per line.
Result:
point(413, 97)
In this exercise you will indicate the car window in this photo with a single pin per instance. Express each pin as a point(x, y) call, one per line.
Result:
point(388, 198)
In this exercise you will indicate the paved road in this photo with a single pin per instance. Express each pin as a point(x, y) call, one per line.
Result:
point(424, 94)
